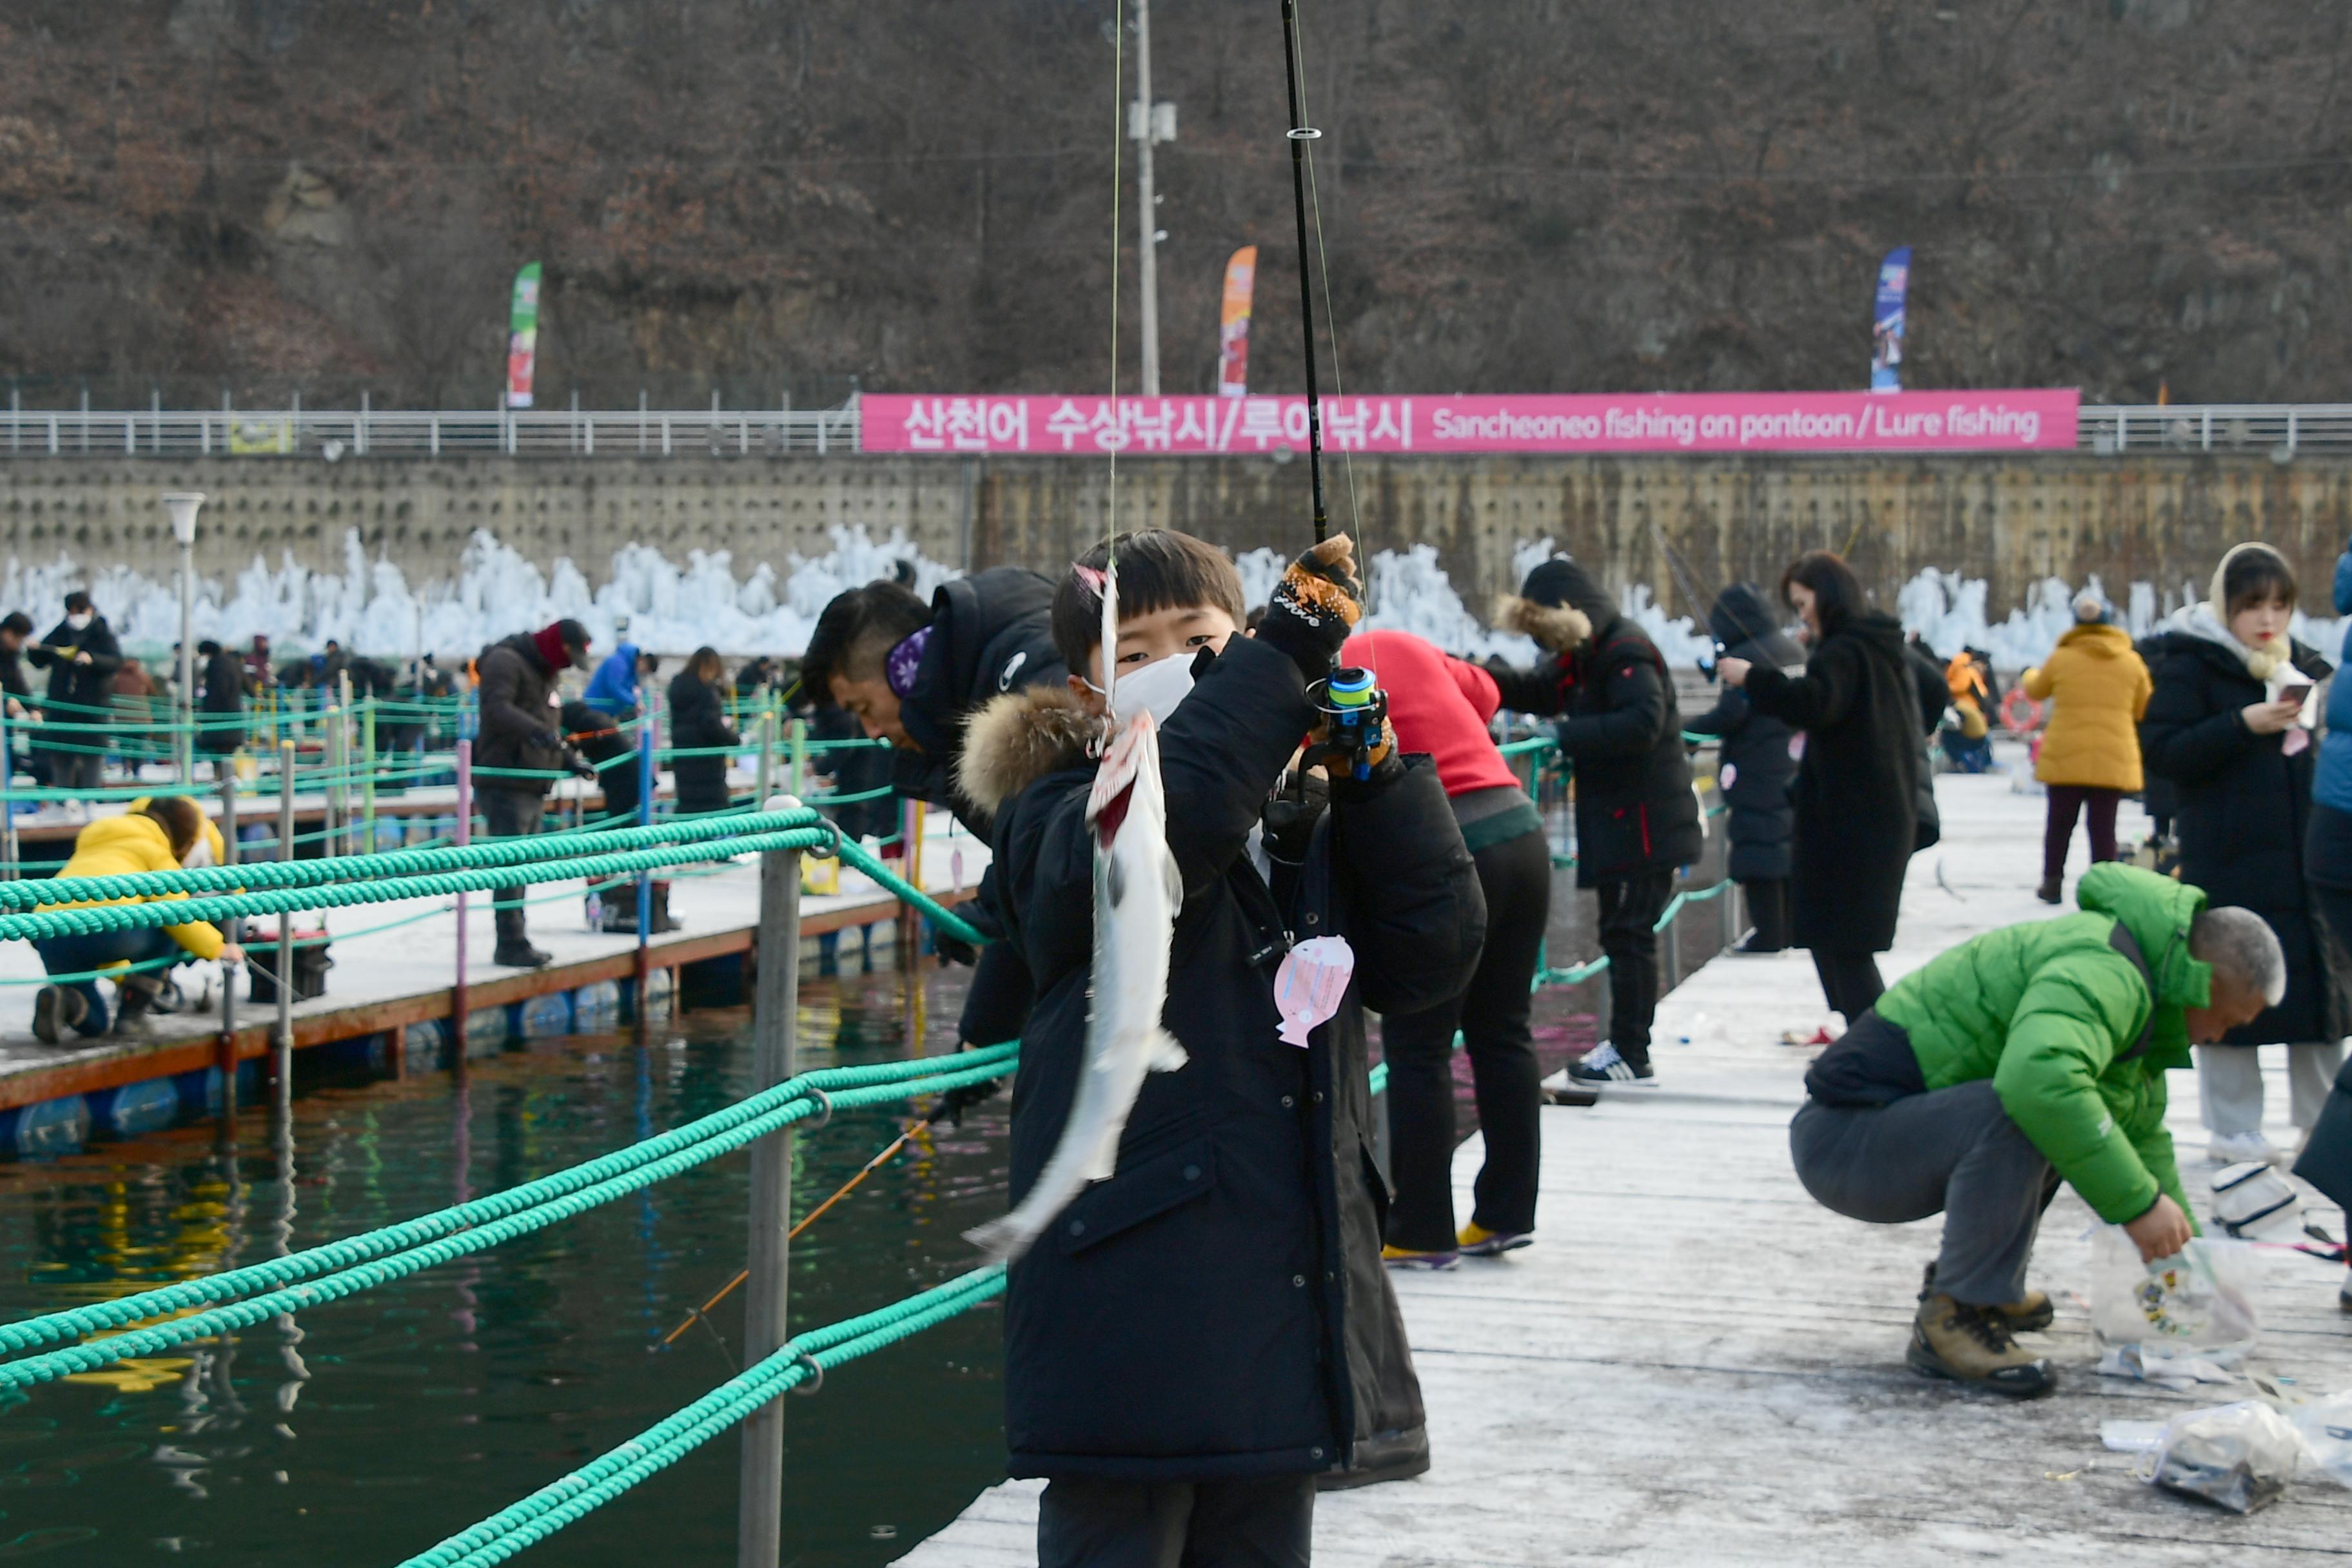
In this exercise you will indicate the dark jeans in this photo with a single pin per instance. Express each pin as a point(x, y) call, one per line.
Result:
point(1628, 910)
point(1952, 1152)
point(509, 813)
point(1261, 1522)
point(74, 770)
point(1767, 911)
point(1516, 876)
point(78, 954)
point(1849, 981)
point(2065, 801)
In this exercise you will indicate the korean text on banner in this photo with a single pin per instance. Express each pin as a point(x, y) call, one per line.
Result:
point(1232, 323)
point(1886, 320)
point(2009, 421)
point(522, 337)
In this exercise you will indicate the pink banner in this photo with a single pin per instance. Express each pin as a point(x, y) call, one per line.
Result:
point(2014, 421)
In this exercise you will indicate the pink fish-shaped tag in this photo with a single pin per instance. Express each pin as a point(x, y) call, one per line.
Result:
point(1308, 986)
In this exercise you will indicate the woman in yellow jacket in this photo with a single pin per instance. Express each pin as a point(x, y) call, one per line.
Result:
point(161, 834)
point(2098, 687)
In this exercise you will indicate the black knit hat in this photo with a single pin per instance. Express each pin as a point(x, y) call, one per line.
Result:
point(1560, 580)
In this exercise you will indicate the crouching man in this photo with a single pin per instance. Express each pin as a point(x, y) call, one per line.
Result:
point(2023, 1057)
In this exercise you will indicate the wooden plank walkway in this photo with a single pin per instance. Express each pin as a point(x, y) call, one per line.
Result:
point(1698, 1364)
point(385, 981)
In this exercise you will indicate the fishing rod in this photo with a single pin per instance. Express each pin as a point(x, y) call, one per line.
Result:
point(1301, 133)
point(697, 1314)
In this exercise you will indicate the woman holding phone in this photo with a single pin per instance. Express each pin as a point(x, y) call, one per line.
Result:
point(2228, 723)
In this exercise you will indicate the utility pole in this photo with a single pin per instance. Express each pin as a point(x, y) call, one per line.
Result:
point(1147, 122)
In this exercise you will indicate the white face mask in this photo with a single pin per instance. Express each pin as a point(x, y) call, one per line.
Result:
point(79, 620)
point(200, 854)
point(1159, 686)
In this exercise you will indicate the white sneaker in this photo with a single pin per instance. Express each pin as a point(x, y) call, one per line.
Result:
point(2237, 1148)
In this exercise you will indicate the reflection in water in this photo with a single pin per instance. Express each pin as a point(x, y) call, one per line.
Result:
point(368, 1428)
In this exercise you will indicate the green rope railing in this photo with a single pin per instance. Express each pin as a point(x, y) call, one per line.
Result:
point(173, 911)
point(812, 1354)
point(339, 1269)
point(405, 862)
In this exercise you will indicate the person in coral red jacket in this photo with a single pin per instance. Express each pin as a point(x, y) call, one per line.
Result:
point(1441, 706)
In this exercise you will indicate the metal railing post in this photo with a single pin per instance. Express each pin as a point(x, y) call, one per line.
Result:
point(8, 805)
point(759, 1515)
point(233, 929)
point(281, 1060)
point(367, 778)
point(796, 776)
point(457, 996)
point(767, 770)
point(648, 773)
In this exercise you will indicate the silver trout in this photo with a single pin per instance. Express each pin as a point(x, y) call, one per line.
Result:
point(1138, 890)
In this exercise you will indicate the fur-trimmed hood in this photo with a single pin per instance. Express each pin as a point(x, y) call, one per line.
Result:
point(1017, 738)
point(1559, 627)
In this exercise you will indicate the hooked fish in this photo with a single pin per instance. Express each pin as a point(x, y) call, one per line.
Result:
point(1137, 891)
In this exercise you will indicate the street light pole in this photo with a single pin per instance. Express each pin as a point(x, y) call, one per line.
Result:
point(1146, 125)
point(182, 506)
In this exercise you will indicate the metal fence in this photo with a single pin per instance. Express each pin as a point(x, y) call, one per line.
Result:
point(2281, 429)
point(407, 433)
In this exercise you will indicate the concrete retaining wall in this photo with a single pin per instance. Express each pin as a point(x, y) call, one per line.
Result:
point(2010, 520)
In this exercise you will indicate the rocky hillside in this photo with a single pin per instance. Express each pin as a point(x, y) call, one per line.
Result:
point(1518, 194)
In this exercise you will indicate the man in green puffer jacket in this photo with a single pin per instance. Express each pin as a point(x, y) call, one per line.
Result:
point(2025, 1056)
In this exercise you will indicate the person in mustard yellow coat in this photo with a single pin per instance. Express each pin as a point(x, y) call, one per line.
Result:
point(2098, 687)
point(163, 834)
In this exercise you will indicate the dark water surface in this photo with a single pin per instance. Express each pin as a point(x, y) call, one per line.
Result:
point(368, 1429)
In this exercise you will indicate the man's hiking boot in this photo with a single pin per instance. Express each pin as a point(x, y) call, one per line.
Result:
point(1478, 1241)
point(55, 1010)
point(1975, 1344)
point(2030, 1314)
point(2051, 891)
point(521, 955)
point(1604, 1066)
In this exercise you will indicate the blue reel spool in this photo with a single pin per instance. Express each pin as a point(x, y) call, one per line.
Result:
point(1355, 707)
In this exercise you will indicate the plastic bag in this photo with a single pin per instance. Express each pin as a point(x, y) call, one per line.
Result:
point(2199, 1302)
point(2325, 1427)
point(2238, 1456)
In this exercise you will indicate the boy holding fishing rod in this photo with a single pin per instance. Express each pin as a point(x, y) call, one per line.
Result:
point(1190, 1342)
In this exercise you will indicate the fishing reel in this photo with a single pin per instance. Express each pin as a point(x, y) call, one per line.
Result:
point(1354, 717)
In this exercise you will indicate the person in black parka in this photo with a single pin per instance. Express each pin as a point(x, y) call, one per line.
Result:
point(1861, 778)
point(1757, 765)
point(223, 703)
point(698, 722)
point(1637, 820)
point(2242, 762)
point(1194, 1339)
point(81, 657)
point(913, 674)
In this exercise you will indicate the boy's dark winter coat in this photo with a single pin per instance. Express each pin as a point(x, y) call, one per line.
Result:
point(1756, 757)
point(2243, 808)
point(1218, 1306)
point(1620, 729)
point(1858, 785)
point(698, 719)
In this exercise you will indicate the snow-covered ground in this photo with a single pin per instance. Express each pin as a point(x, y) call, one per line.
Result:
point(1697, 1364)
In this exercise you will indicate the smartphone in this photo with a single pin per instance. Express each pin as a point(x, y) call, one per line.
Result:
point(2295, 694)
